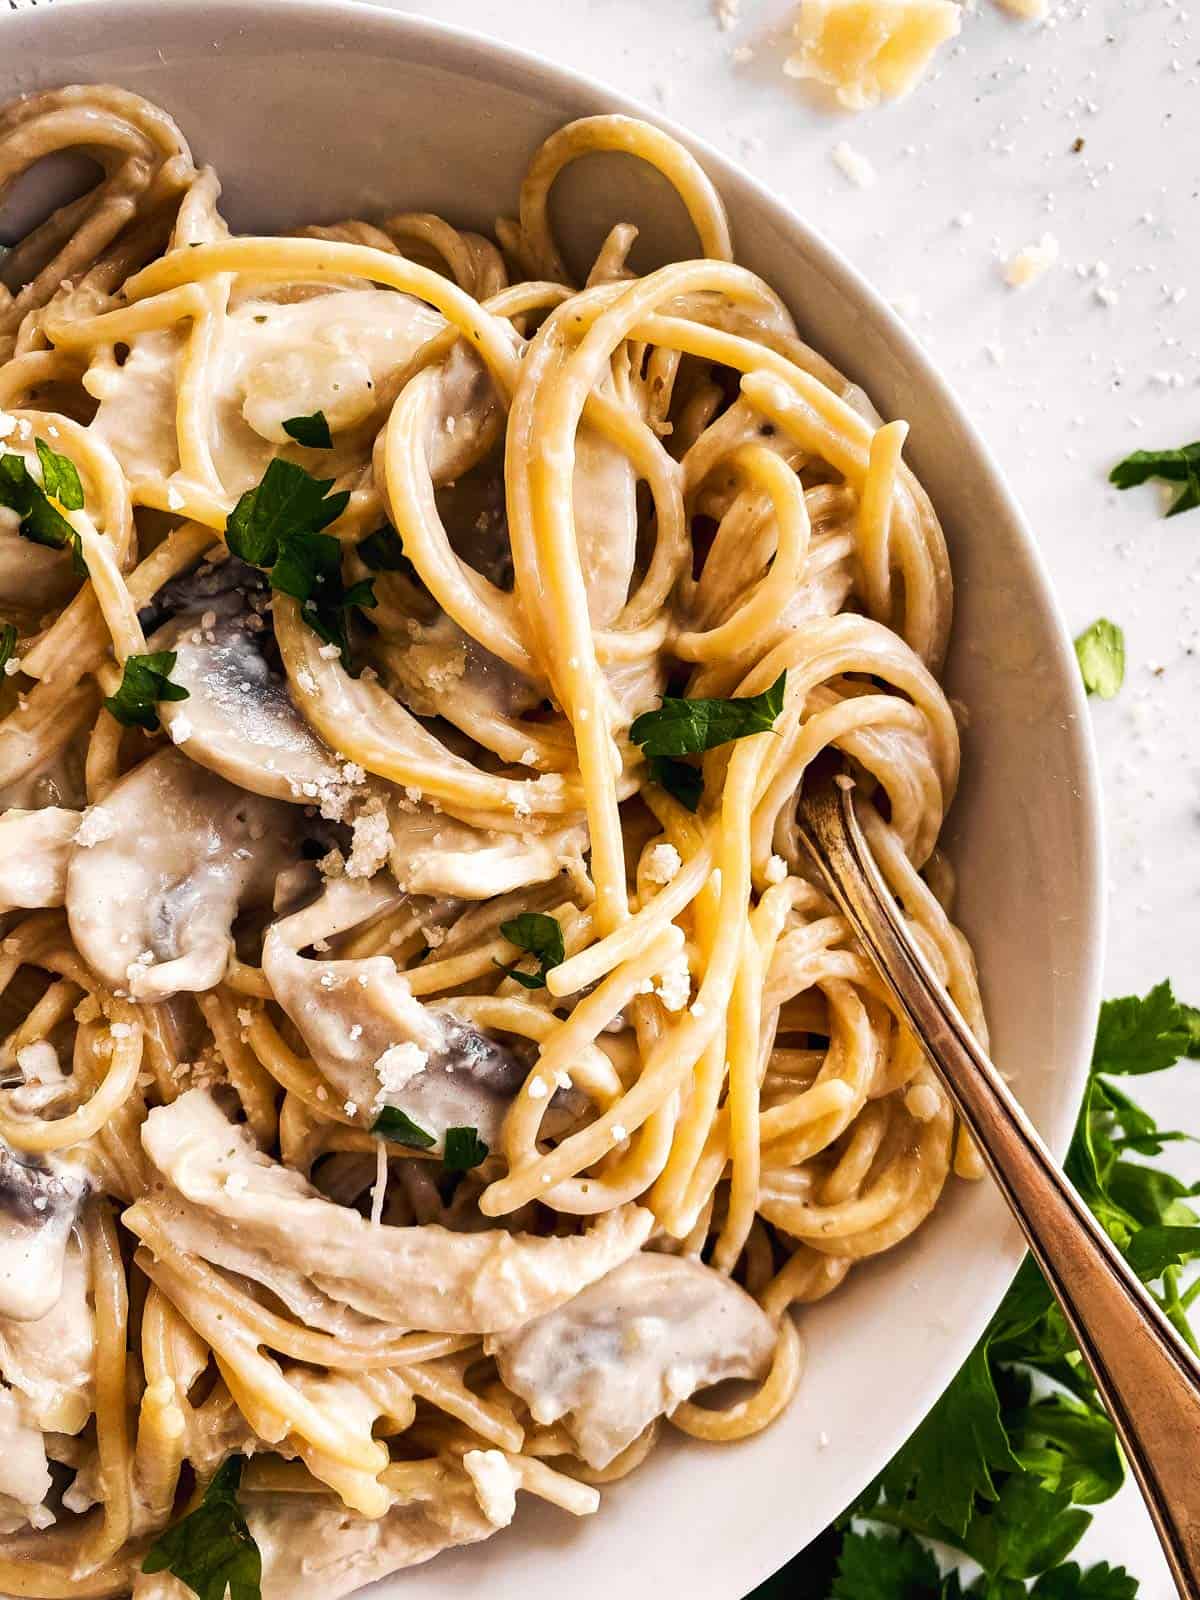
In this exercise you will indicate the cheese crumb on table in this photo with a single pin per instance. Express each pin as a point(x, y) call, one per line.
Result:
point(869, 50)
point(1028, 265)
point(853, 165)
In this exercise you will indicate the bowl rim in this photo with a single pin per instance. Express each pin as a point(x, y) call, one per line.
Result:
point(518, 67)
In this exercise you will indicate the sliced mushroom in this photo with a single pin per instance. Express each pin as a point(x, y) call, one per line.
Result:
point(35, 847)
point(606, 523)
point(39, 1205)
point(238, 719)
point(373, 1041)
point(314, 1550)
point(256, 1216)
point(632, 1347)
point(177, 852)
point(433, 854)
point(339, 352)
point(33, 577)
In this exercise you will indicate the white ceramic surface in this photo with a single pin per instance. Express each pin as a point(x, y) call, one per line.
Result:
point(313, 111)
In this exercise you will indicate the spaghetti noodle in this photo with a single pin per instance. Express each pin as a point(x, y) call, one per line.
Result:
point(427, 1061)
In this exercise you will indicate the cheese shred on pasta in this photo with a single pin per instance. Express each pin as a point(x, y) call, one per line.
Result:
point(415, 1085)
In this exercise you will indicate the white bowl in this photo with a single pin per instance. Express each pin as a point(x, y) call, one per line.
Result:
point(315, 110)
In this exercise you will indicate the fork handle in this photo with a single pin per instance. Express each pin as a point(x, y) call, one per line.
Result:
point(1148, 1377)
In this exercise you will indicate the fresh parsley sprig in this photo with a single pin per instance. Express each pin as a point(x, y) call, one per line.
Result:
point(41, 520)
point(1006, 1464)
point(277, 527)
point(1180, 466)
point(145, 681)
point(212, 1550)
point(542, 937)
point(312, 432)
point(1100, 650)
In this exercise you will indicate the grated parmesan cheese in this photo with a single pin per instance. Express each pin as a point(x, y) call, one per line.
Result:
point(869, 50)
point(662, 863)
point(370, 842)
point(398, 1065)
point(96, 826)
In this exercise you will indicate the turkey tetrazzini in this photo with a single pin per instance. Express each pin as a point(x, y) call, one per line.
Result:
point(427, 1063)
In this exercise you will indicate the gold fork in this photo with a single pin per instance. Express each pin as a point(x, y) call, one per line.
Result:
point(1147, 1376)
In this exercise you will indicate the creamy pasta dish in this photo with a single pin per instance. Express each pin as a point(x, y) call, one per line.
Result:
point(429, 1068)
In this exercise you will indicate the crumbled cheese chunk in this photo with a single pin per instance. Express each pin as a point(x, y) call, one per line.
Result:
point(853, 165)
point(869, 50)
point(95, 826)
point(538, 1089)
point(329, 652)
point(776, 870)
point(1028, 265)
point(8, 425)
point(12, 666)
point(674, 986)
point(663, 862)
point(181, 729)
point(370, 842)
point(495, 1484)
point(398, 1065)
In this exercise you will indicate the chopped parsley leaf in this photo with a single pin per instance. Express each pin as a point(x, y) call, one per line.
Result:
point(211, 1550)
point(682, 727)
point(382, 551)
point(60, 478)
point(394, 1125)
point(1100, 650)
point(541, 936)
point(146, 681)
point(41, 521)
point(464, 1149)
point(1180, 466)
point(678, 778)
point(312, 432)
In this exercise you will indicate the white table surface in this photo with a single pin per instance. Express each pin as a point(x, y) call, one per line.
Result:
point(976, 163)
